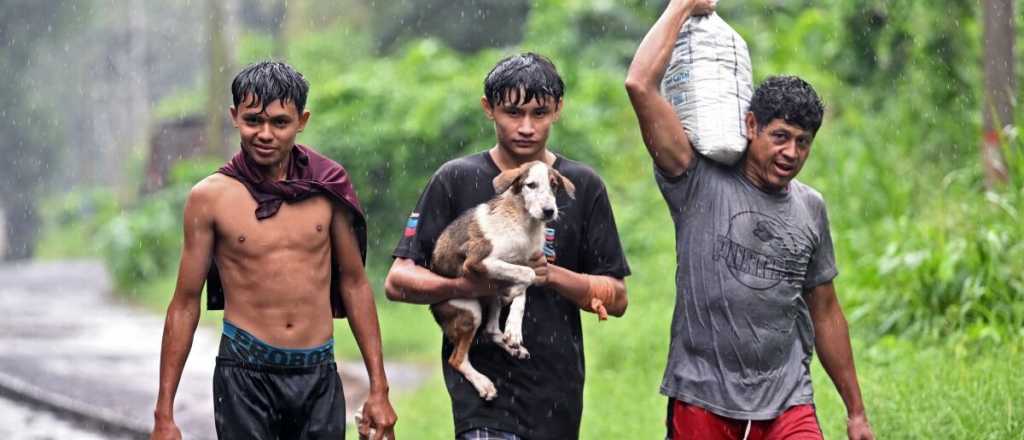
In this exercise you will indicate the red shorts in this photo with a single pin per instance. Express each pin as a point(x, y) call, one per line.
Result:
point(689, 422)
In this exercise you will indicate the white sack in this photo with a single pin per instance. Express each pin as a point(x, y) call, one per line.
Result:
point(709, 84)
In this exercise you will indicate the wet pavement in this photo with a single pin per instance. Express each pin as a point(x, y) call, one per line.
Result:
point(72, 347)
point(21, 422)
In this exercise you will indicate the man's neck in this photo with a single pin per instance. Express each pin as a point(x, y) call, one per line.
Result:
point(275, 172)
point(752, 176)
point(506, 161)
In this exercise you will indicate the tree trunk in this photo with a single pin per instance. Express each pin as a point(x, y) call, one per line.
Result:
point(138, 80)
point(218, 70)
point(1000, 86)
point(293, 24)
point(21, 226)
point(280, 48)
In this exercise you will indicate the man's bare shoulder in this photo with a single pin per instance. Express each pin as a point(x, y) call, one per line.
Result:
point(211, 188)
point(215, 182)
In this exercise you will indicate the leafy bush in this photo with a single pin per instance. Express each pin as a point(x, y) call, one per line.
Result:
point(71, 219)
point(144, 242)
point(93, 206)
point(948, 276)
point(955, 264)
point(392, 121)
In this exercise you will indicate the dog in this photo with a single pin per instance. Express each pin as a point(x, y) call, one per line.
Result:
point(496, 239)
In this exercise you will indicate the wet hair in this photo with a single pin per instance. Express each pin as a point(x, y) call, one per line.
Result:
point(522, 78)
point(269, 81)
point(788, 98)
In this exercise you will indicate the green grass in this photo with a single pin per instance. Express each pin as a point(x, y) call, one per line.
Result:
point(912, 390)
point(67, 242)
point(917, 389)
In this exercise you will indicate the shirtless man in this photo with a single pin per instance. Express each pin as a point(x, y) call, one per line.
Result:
point(275, 374)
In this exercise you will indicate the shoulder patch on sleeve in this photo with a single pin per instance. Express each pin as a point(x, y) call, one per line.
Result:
point(410, 226)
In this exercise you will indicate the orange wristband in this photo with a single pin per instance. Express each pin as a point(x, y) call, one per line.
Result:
point(601, 291)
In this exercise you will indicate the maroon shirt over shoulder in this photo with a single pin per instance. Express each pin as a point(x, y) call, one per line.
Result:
point(309, 173)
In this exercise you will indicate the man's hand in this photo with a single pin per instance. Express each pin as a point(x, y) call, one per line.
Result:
point(539, 263)
point(165, 429)
point(378, 418)
point(702, 7)
point(858, 428)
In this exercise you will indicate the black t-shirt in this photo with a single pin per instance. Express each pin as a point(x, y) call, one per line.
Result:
point(540, 397)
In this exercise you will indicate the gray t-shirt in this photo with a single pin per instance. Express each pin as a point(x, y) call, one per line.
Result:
point(742, 336)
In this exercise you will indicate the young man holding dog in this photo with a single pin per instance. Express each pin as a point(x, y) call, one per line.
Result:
point(279, 238)
point(540, 397)
point(754, 293)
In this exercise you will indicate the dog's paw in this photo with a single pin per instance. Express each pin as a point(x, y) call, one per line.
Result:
point(525, 277)
point(520, 353)
point(514, 339)
point(486, 389)
point(482, 383)
point(517, 352)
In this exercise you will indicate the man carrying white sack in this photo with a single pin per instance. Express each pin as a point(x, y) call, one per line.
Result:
point(755, 264)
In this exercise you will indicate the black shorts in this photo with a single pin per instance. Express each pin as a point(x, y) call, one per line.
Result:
point(266, 401)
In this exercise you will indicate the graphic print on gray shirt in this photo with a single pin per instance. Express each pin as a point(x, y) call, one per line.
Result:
point(742, 336)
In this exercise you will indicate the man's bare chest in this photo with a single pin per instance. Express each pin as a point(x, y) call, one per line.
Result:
point(302, 226)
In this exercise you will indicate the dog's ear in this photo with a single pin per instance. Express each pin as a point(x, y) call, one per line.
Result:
point(509, 178)
point(558, 180)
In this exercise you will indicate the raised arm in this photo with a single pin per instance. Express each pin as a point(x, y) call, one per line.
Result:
point(832, 341)
point(661, 129)
point(362, 318)
point(183, 310)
